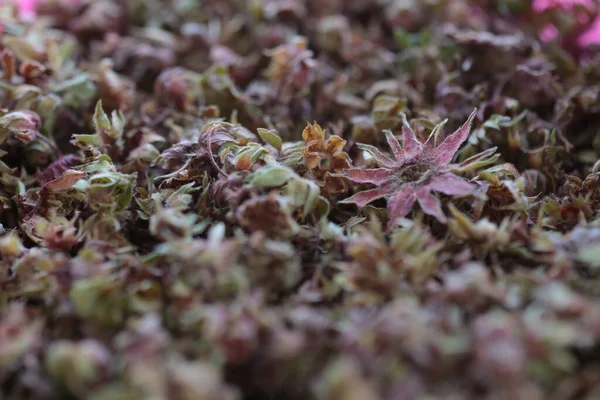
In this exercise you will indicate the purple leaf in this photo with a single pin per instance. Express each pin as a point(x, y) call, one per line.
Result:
point(412, 145)
point(395, 146)
point(431, 141)
point(444, 153)
point(382, 159)
point(451, 185)
point(58, 167)
point(375, 176)
point(363, 198)
point(430, 204)
point(400, 204)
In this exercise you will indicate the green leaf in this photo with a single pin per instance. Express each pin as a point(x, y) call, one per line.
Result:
point(495, 121)
point(101, 121)
point(87, 140)
point(303, 193)
point(58, 54)
point(271, 137)
point(270, 176)
point(118, 123)
point(590, 255)
point(387, 111)
point(25, 48)
point(76, 91)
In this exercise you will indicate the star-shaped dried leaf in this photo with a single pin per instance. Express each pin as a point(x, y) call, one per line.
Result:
point(418, 170)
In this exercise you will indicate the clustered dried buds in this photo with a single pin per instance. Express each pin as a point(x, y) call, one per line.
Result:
point(175, 224)
point(323, 158)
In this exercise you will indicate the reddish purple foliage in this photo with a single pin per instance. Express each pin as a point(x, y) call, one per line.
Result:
point(417, 170)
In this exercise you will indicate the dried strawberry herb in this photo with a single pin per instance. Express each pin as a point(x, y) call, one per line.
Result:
point(272, 199)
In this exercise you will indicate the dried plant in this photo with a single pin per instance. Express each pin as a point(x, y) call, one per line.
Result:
point(175, 224)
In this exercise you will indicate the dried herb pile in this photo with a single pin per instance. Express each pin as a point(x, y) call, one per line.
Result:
point(278, 199)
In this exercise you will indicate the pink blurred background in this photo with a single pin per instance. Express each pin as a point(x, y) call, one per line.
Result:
point(27, 6)
point(590, 36)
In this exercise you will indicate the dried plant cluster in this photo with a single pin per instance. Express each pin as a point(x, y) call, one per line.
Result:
point(280, 199)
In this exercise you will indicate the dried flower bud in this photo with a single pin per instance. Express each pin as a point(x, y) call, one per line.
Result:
point(22, 125)
point(500, 354)
point(269, 214)
point(292, 63)
point(332, 32)
point(169, 224)
point(115, 90)
point(177, 86)
point(19, 337)
point(79, 366)
point(342, 380)
point(325, 157)
point(273, 265)
point(11, 246)
point(199, 380)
